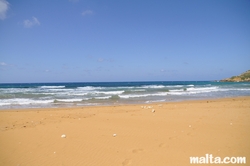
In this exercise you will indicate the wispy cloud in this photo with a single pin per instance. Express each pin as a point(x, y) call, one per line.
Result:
point(47, 70)
point(168, 71)
point(163, 70)
point(4, 6)
point(104, 60)
point(30, 23)
point(3, 64)
point(87, 12)
point(100, 59)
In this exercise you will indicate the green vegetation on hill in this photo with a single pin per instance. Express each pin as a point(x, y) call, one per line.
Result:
point(240, 78)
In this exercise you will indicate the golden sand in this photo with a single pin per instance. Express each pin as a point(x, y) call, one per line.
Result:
point(126, 135)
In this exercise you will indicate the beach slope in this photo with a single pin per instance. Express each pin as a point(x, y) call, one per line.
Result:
point(140, 135)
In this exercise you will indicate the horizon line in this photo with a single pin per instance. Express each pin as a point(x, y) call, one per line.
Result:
point(102, 82)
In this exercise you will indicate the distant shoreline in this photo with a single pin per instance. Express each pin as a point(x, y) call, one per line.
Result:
point(244, 77)
point(122, 104)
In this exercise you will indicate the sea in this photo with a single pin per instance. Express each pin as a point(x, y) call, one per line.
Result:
point(44, 95)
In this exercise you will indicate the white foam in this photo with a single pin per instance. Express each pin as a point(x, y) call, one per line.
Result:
point(47, 93)
point(23, 101)
point(69, 100)
point(133, 96)
point(200, 90)
point(52, 87)
point(18, 90)
point(236, 89)
point(103, 98)
point(139, 90)
point(176, 90)
point(89, 88)
point(193, 90)
point(153, 86)
point(174, 86)
point(177, 93)
point(57, 90)
point(80, 94)
point(109, 92)
point(143, 95)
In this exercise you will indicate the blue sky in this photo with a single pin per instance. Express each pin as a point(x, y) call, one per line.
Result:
point(123, 40)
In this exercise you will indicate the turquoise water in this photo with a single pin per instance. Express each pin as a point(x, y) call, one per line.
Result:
point(36, 95)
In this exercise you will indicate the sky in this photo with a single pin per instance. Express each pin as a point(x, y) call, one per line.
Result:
point(123, 40)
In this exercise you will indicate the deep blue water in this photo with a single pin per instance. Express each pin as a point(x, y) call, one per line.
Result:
point(33, 95)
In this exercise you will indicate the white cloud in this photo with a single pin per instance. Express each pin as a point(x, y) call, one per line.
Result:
point(30, 23)
point(168, 71)
point(3, 64)
point(87, 12)
point(4, 6)
point(100, 59)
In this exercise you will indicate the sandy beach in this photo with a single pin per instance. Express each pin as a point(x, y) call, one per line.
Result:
point(158, 134)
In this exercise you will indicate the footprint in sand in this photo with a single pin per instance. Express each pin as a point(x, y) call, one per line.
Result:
point(137, 150)
point(126, 162)
point(189, 134)
point(162, 145)
point(171, 138)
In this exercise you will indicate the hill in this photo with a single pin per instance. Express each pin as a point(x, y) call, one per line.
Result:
point(244, 77)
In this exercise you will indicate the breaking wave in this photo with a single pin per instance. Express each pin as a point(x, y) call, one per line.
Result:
point(53, 95)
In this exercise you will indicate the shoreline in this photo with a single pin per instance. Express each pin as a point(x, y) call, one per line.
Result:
point(126, 135)
point(117, 105)
point(61, 95)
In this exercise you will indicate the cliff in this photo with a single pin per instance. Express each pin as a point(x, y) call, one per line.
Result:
point(244, 77)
